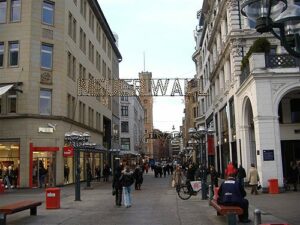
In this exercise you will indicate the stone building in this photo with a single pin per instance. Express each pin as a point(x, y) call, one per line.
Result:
point(255, 111)
point(45, 46)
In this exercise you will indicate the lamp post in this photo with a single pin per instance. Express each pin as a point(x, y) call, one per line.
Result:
point(280, 17)
point(199, 135)
point(79, 141)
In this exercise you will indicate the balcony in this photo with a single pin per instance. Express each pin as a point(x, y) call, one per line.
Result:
point(276, 63)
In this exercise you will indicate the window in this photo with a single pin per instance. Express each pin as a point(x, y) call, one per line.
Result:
point(124, 127)
point(98, 121)
point(124, 110)
point(72, 24)
point(295, 110)
point(45, 102)
point(251, 23)
point(15, 11)
point(75, 2)
point(46, 56)
point(71, 69)
point(83, 8)
point(124, 98)
point(82, 42)
point(48, 12)
point(71, 106)
point(12, 101)
point(0, 105)
point(91, 20)
point(81, 112)
point(91, 117)
point(3, 5)
point(1, 53)
point(91, 52)
point(125, 144)
point(14, 53)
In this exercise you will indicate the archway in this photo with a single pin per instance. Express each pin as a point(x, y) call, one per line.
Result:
point(289, 120)
point(249, 133)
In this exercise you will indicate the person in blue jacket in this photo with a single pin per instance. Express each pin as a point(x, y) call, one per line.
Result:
point(232, 193)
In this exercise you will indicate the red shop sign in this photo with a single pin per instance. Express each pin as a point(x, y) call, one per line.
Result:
point(68, 151)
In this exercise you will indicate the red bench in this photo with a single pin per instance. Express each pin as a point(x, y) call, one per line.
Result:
point(230, 211)
point(18, 207)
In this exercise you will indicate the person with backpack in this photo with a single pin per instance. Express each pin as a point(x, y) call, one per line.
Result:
point(138, 176)
point(127, 180)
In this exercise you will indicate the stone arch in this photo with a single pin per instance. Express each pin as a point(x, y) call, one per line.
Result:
point(248, 151)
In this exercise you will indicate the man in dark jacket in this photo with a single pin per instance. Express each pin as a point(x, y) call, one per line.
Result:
point(232, 193)
point(117, 185)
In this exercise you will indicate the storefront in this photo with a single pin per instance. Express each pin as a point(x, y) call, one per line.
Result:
point(42, 166)
point(92, 158)
point(10, 162)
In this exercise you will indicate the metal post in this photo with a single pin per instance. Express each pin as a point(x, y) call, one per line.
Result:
point(257, 217)
point(77, 173)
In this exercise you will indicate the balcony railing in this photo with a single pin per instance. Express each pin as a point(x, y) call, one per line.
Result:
point(273, 61)
point(281, 61)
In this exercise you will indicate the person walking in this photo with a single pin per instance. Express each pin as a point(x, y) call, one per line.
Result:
point(241, 174)
point(253, 179)
point(127, 180)
point(294, 175)
point(117, 186)
point(106, 172)
point(213, 177)
point(138, 176)
point(230, 170)
point(177, 176)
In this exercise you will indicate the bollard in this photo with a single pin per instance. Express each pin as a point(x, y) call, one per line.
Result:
point(257, 217)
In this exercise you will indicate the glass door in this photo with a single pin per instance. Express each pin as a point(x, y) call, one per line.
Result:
point(43, 171)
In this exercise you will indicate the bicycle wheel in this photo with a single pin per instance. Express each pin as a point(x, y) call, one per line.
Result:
point(183, 192)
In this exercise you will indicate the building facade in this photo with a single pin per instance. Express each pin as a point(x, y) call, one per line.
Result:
point(132, 125)
point(254, 111)
point(45, 46)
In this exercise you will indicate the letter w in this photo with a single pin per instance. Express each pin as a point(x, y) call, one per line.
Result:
point(163, 88)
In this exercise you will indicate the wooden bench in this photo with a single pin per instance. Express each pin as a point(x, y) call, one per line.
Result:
point(18, 207)
point(229, 211)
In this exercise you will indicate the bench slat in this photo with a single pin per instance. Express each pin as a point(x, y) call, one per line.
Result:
point(19, 206)
point(224, 209)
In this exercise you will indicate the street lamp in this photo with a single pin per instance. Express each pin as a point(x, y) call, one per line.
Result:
point(199, 134)
point(79, 141)
point(280, 17)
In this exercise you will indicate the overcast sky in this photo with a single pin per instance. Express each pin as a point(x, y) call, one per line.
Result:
point(162, 30)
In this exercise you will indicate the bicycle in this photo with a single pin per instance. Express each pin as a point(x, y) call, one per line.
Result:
point(185, 191)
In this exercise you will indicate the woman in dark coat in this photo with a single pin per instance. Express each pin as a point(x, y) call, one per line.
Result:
point(138, 176)
point(117, 185)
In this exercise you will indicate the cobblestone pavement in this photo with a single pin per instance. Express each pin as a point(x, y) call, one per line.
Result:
point(156, 204)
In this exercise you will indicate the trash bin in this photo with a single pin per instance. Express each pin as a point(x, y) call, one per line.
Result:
point(2, 188)
point(52, 198)
point(273, 186)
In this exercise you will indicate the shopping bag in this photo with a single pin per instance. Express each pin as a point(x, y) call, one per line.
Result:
point(258, 186)
point(173, 183)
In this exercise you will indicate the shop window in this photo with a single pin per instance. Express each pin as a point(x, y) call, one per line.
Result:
point(1, 53)
point(9, 162)
point(125, 144)
point(14, 53)
point(295, 110)
point(48, 12)
point(124, 127)
point(45, 102)
point(12, 102)
point(46, 56)
point(3, 6)
point(15, 11)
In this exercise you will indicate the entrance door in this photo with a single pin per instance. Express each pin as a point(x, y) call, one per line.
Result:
point(43, 169)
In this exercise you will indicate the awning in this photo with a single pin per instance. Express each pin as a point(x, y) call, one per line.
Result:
point(5, 89)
